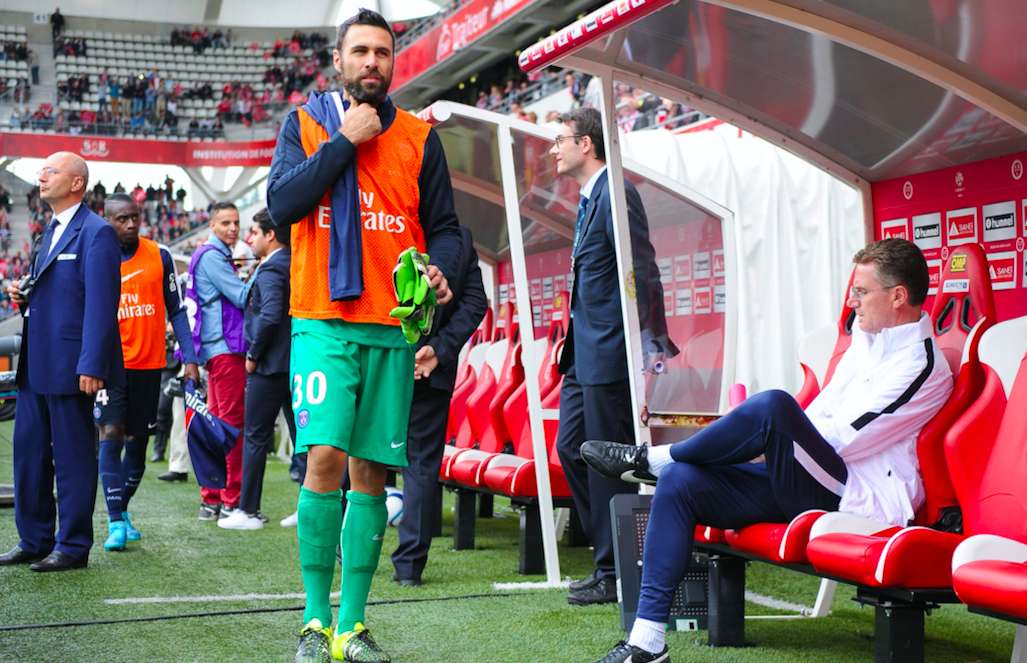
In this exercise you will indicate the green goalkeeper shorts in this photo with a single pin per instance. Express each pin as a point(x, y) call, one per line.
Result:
point(351, 388)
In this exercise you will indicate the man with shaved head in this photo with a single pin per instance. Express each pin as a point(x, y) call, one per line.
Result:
point(67, 356)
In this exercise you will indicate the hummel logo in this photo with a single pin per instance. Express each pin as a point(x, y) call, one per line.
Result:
point(377, 537)
point(126, 277)
point(396, 445)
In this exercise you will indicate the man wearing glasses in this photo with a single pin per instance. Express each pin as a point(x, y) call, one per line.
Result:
point(853, 449)
point(595, 399)
point(66, 357)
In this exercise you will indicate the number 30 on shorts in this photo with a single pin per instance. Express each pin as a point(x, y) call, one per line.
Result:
point(314, 387)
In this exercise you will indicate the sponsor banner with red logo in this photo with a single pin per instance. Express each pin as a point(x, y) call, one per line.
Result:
point(471, 22)
point(983, 203)
point(177, 153)
point(895, 228)
point(1002, 269)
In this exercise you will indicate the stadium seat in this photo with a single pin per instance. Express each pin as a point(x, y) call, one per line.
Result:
point(472, 359)
point(965, 287)
point(515, 430)
point(818, 357)
point(463, 468)
point(989, 569)
point(479, 402)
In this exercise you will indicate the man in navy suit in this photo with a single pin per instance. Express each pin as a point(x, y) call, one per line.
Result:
point(595, 400)
point(435, 364)
point(267, 326)
point(67, 356)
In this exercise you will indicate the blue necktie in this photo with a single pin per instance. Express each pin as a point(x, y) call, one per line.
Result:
point(579, 223)
point(44, 246)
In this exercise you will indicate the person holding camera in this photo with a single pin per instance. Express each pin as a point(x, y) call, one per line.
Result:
point(66, 358)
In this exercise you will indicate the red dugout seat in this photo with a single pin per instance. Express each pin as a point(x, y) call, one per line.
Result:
point(471, 362)
point(989, 569)
point(964, 294)
point(513, 475)
point(919, 557)
point(818, 358)
point(478, 416)
point(514, 432)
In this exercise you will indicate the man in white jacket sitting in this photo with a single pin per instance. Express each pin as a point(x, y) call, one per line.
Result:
point(853, 449)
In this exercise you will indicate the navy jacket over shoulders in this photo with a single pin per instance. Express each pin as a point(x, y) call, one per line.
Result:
point(267, 315)
point(71, 328)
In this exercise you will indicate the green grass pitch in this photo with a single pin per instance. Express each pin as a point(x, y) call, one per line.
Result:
point(182, 557)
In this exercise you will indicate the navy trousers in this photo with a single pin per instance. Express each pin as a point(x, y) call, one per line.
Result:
point(54, 437)
point(711, 482)
point(265, 396)
point(593, 412)
point(426, 437)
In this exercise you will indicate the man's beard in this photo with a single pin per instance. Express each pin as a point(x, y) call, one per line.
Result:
point(358, 93)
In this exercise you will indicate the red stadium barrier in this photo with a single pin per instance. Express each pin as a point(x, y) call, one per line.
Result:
point(471, 22)
point(101, 148)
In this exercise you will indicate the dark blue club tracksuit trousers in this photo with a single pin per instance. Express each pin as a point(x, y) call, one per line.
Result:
point(711, 482)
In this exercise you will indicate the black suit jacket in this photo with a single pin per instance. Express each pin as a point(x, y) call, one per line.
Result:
point(268, 324)
point(457, 320)
point(595, 343)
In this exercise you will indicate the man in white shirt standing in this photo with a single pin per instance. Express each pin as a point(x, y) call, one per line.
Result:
point(853, 449)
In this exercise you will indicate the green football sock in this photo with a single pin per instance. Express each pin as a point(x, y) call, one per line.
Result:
point(363, 529)
point(318, 521)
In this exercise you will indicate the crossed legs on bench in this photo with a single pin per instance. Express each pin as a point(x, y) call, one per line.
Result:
point(708, 478)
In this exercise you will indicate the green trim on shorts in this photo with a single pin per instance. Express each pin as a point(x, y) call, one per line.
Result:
point(377, 336)
point(351, 388)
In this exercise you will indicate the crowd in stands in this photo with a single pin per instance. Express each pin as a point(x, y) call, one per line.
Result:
point(17, 51)
point(199, 38)
point(72, 46)
point(240, 103)
point(147, 102)
point(636, 108)
point(20, 92)
point(165, 217)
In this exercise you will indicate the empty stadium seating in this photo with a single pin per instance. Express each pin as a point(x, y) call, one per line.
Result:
point(11, 71)
point(503, 462)
point(127, 54)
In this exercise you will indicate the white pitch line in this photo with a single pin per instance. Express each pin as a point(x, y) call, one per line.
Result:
point(777, 604)
point(214, 598)
point(514, 586)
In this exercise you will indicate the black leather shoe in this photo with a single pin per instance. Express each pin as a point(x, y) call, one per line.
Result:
point(407, 582)
point(584, 583)
point(604, 591)
point(157, 457)
point(619, 461)
point(625, 653)
point(58, 561)
point(18, 556)
point(173, 476)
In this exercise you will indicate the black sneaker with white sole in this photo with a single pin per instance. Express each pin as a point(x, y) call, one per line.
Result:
point(209, 511)
point(619, 461)
point(625, 653)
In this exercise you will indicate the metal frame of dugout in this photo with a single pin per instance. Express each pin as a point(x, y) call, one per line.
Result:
point(514, 217)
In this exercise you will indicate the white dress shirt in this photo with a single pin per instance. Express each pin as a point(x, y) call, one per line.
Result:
point(63, 219)
point(886, 387)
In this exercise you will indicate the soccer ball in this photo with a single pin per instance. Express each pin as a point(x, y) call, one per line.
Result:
point(394, 504)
